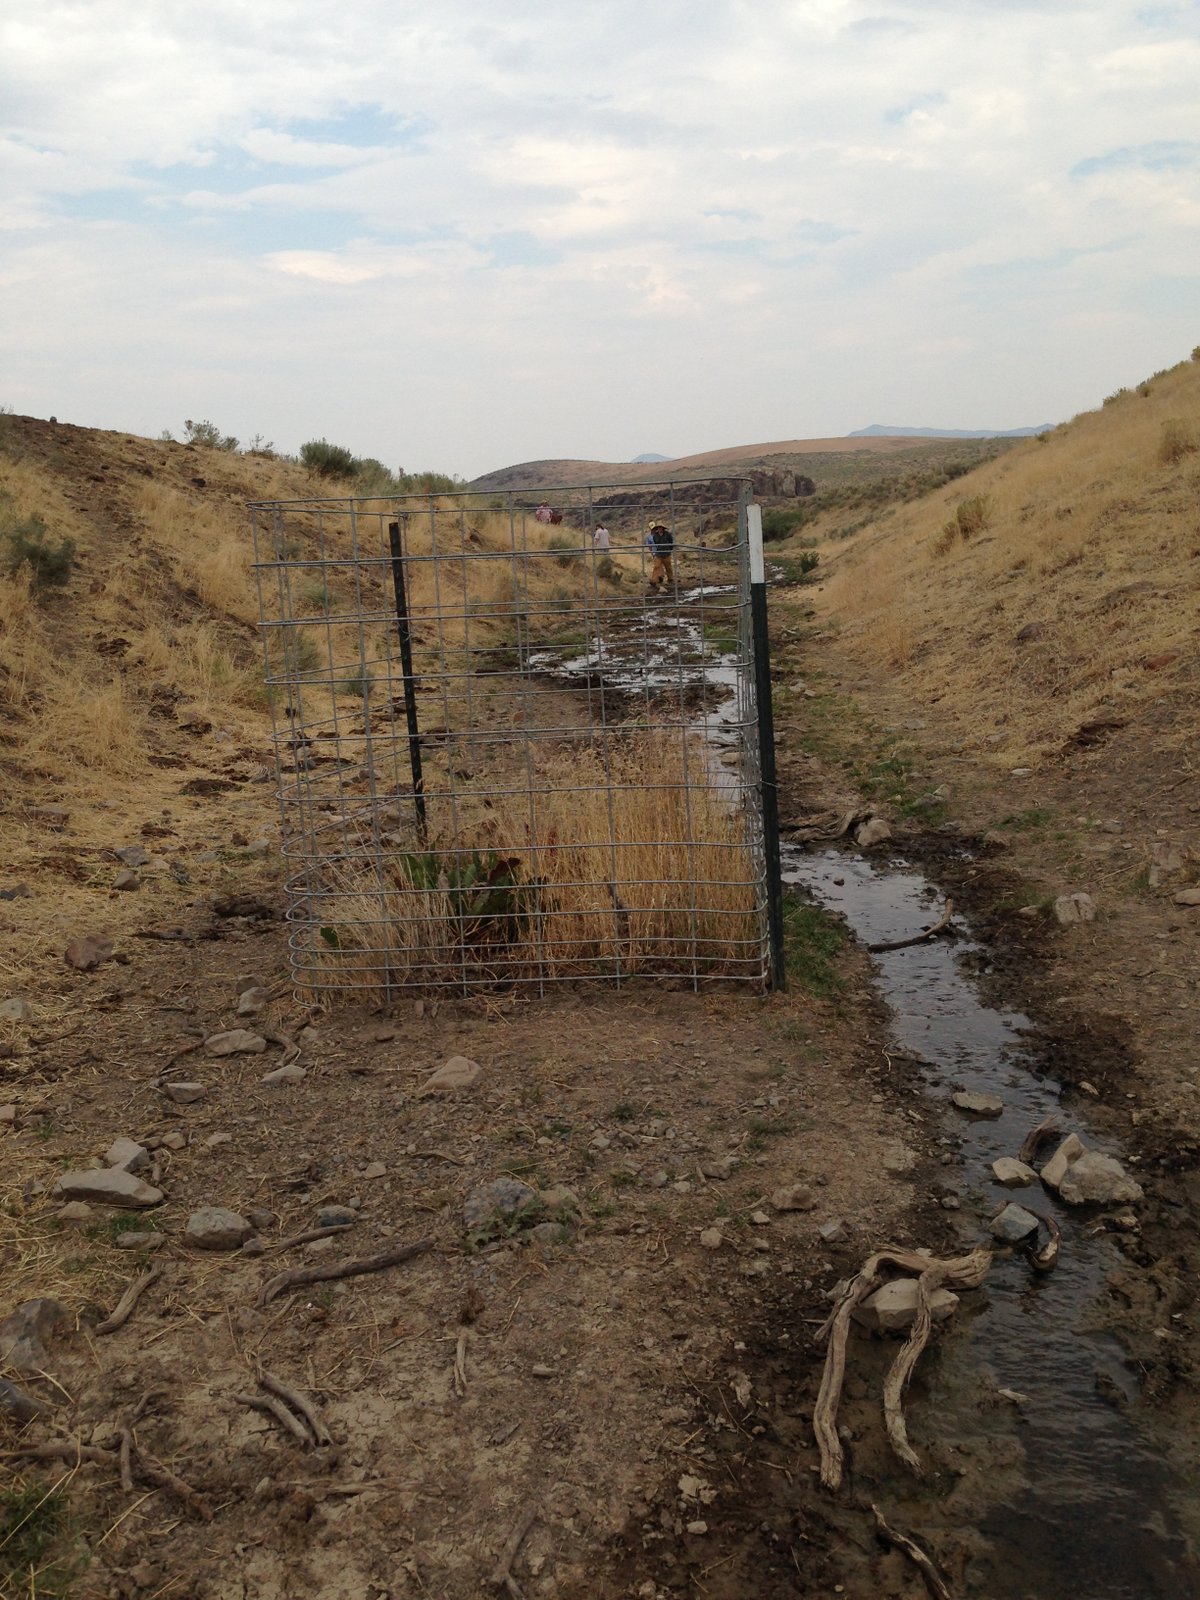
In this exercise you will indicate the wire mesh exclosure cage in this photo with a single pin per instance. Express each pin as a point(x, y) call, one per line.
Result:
point(516, 738)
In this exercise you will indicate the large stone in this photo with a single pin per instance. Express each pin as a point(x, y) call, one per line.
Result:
point(1098, 1180)
point(1055, 1170)
point(488, 1207)
point(1014, 1224)
point(979, 1105)
point(133, 855)
point(872, 832)
point(1013, 1174)
point(460, 1072)
point(893, 1308)
point(18, 1406)
point(16, 1010)
point(217, 1228)
point(24, 1334)
point(794, 1197)
point(251, 1002)
point(1188, 897)
point(86, 953)
point(291, 1072)
point(185, 1094)
point(128, 1155)
point(1069, 908)
point(112, 1187)
point(336, 1216)
point(235, 1042)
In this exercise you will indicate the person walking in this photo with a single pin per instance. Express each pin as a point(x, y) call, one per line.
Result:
point(661, 542)
point(600, 539)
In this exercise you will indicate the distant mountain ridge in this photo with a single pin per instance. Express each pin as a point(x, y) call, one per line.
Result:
point(648, 458)
point(878, 431)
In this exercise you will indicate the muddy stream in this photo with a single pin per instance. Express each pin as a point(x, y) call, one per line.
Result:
point(1078, 1505)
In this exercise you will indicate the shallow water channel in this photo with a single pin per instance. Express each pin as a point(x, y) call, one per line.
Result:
point(1079, 1505)
point(1090, 1513)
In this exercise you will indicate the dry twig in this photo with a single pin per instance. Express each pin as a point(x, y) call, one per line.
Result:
point(502, 1578)
point(128, 1300)
point(309, 1235)
point(909, 1547)
point(275, 1408)
point(1044, 1130)
point(917, 938)
point(300, 1404)
point(1045, 1259)
point(460, 1363)
point(297, 1277)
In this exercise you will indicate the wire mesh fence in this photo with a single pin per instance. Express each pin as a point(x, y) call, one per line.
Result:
point(516, 738)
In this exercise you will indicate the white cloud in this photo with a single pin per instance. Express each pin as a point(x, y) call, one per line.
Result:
point(589, 229)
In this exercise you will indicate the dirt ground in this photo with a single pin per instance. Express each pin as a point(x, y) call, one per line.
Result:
point(645, 1393)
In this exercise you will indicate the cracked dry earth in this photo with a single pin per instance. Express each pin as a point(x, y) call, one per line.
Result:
point(595, 1376)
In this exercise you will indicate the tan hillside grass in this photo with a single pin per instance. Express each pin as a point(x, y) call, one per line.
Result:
point(1091, 537)
point(651, 875)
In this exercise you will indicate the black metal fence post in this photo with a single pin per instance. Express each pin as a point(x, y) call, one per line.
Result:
point(406, 667)
point(766, 743)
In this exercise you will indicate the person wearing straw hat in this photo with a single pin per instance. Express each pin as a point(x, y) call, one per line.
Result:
point(661, 541)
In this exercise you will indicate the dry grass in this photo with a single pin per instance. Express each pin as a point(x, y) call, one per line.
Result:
point(1090, 538)
point(650, 875)
point(209, 543)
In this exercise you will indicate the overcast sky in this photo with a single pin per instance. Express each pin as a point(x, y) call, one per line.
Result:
point(464, 233)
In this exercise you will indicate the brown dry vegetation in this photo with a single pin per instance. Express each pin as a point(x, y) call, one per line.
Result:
point(1066, 591)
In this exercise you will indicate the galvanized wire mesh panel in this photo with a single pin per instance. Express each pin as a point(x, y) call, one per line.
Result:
point(513, 751)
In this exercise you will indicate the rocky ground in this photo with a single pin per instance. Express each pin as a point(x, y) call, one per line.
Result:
point(627, 1215)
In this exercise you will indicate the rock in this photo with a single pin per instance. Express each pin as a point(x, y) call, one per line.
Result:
point(1031, 631)
point(1013, 1174)
point(214, 1139)
point(1055, 1170)
point(293, 1072)
point(111, 1187)
point(8, 1115)
point(501, 1200)
point(127, 879)
point(133, 855)
point(540, 1370)
point(979, 1105)
point(1014, 1224)
point(185, 1094)
point(559, 1198)
point(374, 1169)
point(174, 1140)
point(872, 832)
point(599, 1141)
point(76, 1213)
point(54, 817)
point(134, 1240)
point(18, 1406)
point(309, 1035)
point(235, 1042)
point(1077, 907)
point(893, 1308)
point(317, 1246)
point(255, 1247)
point(262, 1219)
point(20, 891)
point(698, 1527)
point(335, 1216)
point(794, 1197)
point(458, 1073)
point(128, 1155)
point(384, 1035)
point(25, 1333)
point(86, 954)
point(195, 719)
point(1096, 1179)
point(251, 1002)
point(760, 1219)
point(1187, 897)
point(16, 1010)
point(711, 1238)
point(718, 1169)
point(898, 1158)
point(217, 1228)
point(833, 1232)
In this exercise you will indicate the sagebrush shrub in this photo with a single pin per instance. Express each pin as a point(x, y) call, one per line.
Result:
point(328, 460)
point(1179, 438)
point(28, 546)
point(208, 434)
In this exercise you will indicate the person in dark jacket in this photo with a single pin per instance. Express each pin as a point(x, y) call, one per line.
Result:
point(661, 542)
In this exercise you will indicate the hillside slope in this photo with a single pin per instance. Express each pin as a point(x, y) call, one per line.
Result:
point(1049, 590)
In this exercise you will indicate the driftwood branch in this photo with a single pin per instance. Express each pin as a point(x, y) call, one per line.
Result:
point(309, 1235)
point(909, 1547)
point(163, 1478)
point(1045, 1259)
point(298, 1277)
point(69, 1451)
point(1044, 1130)
point(300, 1404)
point(502, 1577)
point(917, 938)
point(275, 1408)
point(966, 1272)
point(124, 1307)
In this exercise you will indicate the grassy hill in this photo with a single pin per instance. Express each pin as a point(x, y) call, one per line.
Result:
point(1048, 591)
